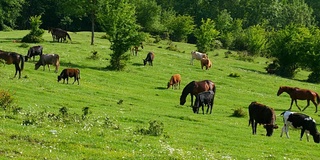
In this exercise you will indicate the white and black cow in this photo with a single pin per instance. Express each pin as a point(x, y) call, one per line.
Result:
point(262, 114)
point(299, 120)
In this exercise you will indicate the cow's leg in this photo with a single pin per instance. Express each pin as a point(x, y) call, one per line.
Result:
point(49, 67)
point(283, 130)
point(191, 100)
point(301, 134)
point(202, 107)
point(287, 130)
point(67, 80)
point(254, 127)
point(75, 78)
point(308, 103)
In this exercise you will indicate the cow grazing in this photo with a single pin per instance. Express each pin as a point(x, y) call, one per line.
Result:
point(69, 72)
point(47, 59)
point(299, 120)
point(149, 59)
point(206, 62)
point(33, 51)
point(262, 114)
point(197, 55)
point(202, 99)
point(174, 81)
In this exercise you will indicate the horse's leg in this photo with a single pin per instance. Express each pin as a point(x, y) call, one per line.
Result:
point(308, 103)
point(191, 100)
point(17, 68)
point(291, 104)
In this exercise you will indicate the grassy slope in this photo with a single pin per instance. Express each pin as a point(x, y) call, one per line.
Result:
point(142, 89)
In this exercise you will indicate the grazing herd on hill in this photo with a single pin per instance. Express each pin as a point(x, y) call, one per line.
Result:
point(204, 91)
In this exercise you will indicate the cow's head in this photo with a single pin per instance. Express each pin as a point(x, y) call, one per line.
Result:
point(37, 65)
point(269, 128)
point(182, 100)
point(59, 78)
point(316, 138)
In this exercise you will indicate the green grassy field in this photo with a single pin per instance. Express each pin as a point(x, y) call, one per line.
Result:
point(115, 131)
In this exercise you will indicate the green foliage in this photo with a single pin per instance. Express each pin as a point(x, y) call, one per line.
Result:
point(35, 35)
point(206, 35)
point(119, 21)
point(239, 112)
point(155, 129)
point(256, 39)
point(234, 75)
point(6, 100)
point(180, 27)
point(9, 13)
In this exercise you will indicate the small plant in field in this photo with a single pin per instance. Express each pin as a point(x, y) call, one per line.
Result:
point(6, 100)
point(235, 75)
point(239, 112)
point(64, 111)
point(85, 111)
point(173, 47)
point(155, 129)
point(110, 124)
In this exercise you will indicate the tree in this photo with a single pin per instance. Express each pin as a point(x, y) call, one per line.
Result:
point(256, 38)
point(9, 12)
point(206, 35)
point(180, 27)
point(35, 35)
point(119, 21)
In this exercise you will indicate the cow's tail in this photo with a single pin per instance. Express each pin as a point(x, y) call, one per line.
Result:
point(69, 36)
point(57, 64)
point(21, 62)
point(282, 113)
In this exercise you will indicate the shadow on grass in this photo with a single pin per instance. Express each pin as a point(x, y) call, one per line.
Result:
point(137, 64)
point(161, 88)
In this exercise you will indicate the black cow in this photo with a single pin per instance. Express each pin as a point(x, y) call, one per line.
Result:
point(262, 114)
point(69, 72)
point(299, 120)
point(149, 58)
point(202, 99)
point(33, 51)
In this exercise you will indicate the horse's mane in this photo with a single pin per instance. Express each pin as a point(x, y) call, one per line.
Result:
point(187, 89)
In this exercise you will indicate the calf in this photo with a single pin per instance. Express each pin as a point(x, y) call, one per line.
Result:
point(262, 114)
point(69, 72)
point(206, 62)
point(47, 59)
point(174, 81)
point(149, 58)
point(202, 99)
point(33, 51)
point(299, 120)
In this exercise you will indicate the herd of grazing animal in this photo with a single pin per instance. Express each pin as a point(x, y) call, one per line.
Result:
point(204, 91)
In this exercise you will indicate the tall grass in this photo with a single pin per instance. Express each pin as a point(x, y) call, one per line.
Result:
point(131, 114)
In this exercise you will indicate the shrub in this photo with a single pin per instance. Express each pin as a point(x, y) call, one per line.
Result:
point(234, 75)
point(35, 35)
point(6, 100)
point(239, 112)
point(155, 129)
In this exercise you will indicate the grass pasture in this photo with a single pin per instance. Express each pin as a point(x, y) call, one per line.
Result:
point(122, 105)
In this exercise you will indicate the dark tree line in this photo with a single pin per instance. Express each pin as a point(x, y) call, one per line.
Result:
point(286, 30)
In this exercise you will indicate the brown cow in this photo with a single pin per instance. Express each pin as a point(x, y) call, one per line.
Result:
point(69, 72)
point(262, 114)
point(47, 59)
point(206, 62)
point(174, 81)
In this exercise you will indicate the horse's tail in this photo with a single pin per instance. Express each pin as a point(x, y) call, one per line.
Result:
point(21, 61)
point(68, 36)
point(318, 98)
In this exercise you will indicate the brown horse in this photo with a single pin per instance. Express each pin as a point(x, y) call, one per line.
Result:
point(300, 94)
point(13, 58)
point(193, 88)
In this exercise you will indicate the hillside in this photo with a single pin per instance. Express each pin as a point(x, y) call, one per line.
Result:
point(115, 130)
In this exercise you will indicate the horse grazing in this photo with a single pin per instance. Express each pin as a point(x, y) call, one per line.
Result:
point(58, 34)
point(197, 55)
point(13, 58)
point(149, 59)
point(174, 81)
point(135, 49)
point(300, 94)
point(193, 88)
point(33, 51)
point(47, 59)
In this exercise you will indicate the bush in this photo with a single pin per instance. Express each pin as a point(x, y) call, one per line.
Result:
point(235, 75)
point(35, 35)
point(239, 112)
point(155, 129)
point(6, 100)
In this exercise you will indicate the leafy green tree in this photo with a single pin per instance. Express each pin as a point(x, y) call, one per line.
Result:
point(35, 35)
point(289, 46)
point(119, 21)
point(180, 27)
point(256, 38)
point(9, 12)
point(206, 35)
point(149, 15)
